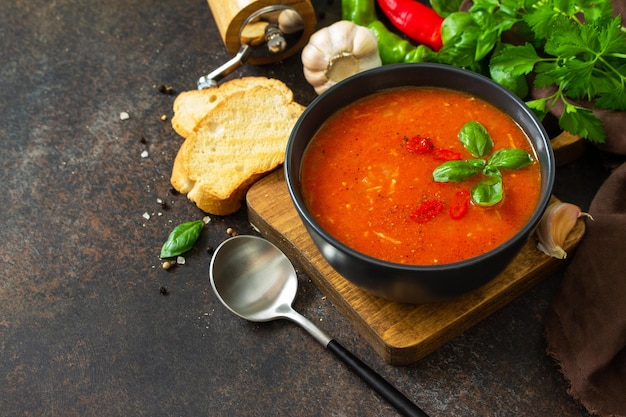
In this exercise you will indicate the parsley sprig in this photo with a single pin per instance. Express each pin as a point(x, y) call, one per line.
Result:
point(576, 47)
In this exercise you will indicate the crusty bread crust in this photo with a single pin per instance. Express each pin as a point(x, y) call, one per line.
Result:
point(190, 107)
point(241, 137)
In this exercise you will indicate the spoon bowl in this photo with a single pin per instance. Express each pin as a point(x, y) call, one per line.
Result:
point(252, 280)
point(256, 281)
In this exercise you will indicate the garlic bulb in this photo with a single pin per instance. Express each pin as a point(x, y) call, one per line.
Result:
point(337, 52)
point(556, 223)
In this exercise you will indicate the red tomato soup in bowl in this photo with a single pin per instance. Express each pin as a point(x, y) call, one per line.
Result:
point(419, 182)
point(367, 177)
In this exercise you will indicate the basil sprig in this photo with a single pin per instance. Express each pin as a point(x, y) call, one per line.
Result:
point(479, 143)
point(182, 238)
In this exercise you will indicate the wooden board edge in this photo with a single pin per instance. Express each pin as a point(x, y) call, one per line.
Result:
point(567, 148)
point(393, 353)
point(289, 247)
point(406, 355)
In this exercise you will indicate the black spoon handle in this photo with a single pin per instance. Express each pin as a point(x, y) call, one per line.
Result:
point(377, 382)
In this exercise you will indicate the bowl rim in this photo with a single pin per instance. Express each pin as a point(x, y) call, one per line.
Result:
point(309, 222)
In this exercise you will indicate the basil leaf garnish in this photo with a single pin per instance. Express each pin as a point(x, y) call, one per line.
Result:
point(510, 158)
point(475, 139)
point(477, 163)
point(182, 239)
point(478, 142)
point(492, 171)
point(488, 192)
point(455, 171)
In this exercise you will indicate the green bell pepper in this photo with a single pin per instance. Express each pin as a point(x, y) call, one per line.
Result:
point(392, 48)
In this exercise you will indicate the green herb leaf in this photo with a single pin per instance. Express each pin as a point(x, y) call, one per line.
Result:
point(515, 60)
point(485, 44)
point(614, 99)
point(509, 158)
point(182, 239)
point(456, 171)
point(477, 163)
point(611, 37)
point(576, 46)
point(445, 7)
point(488, 192)
point(539, 107)
point(569, 40)
point(542, 74)
point(582, 122)
point(542, 20)
point(492, 171)
point(516, 83)
point(459, 33)
point(475, 139)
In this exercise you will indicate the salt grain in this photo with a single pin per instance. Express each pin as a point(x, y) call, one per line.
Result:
point(124, 116)
point(144, 154)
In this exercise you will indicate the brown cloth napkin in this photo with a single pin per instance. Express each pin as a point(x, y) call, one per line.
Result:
point(586, 324)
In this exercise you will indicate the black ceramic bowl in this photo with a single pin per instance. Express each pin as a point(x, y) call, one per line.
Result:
point(411, 283)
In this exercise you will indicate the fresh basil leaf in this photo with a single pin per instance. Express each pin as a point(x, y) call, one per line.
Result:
point(509, 158)
point(459, 33)
point(475, 139)
point(477, 163)
point(445, 7)
point(455, 24)
point(182, 239)
point(488, 192)
point(485, 44)
point(515, 60)
point(492, 171)
point(455, 171)
point(516, 83)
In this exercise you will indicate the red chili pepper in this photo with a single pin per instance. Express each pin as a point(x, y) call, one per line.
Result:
point(418, 144)
point(428, 210)
point(458, 208)
point(446, 155)
point(416, 20)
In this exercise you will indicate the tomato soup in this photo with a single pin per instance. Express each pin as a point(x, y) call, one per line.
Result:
point(364, 182)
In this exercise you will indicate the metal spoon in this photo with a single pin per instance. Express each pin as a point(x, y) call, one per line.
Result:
point(256, 281)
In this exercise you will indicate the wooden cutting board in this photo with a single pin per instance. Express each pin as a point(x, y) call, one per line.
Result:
point(400, 333)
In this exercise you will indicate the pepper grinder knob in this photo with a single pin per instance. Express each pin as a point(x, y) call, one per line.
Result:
point(275, 40)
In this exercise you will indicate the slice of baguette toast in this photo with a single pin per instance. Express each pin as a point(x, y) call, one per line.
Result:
point(241, 138)
point(190, 107)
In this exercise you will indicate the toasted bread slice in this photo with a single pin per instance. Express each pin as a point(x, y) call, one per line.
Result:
point(190, 107)
point(241, 138)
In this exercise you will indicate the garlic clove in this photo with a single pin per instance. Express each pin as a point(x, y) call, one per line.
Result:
point(557, 222)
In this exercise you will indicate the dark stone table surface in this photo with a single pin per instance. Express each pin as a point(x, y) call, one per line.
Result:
point(85, 329)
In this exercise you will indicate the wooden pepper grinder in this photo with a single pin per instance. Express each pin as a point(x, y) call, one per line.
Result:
point(254, 22)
